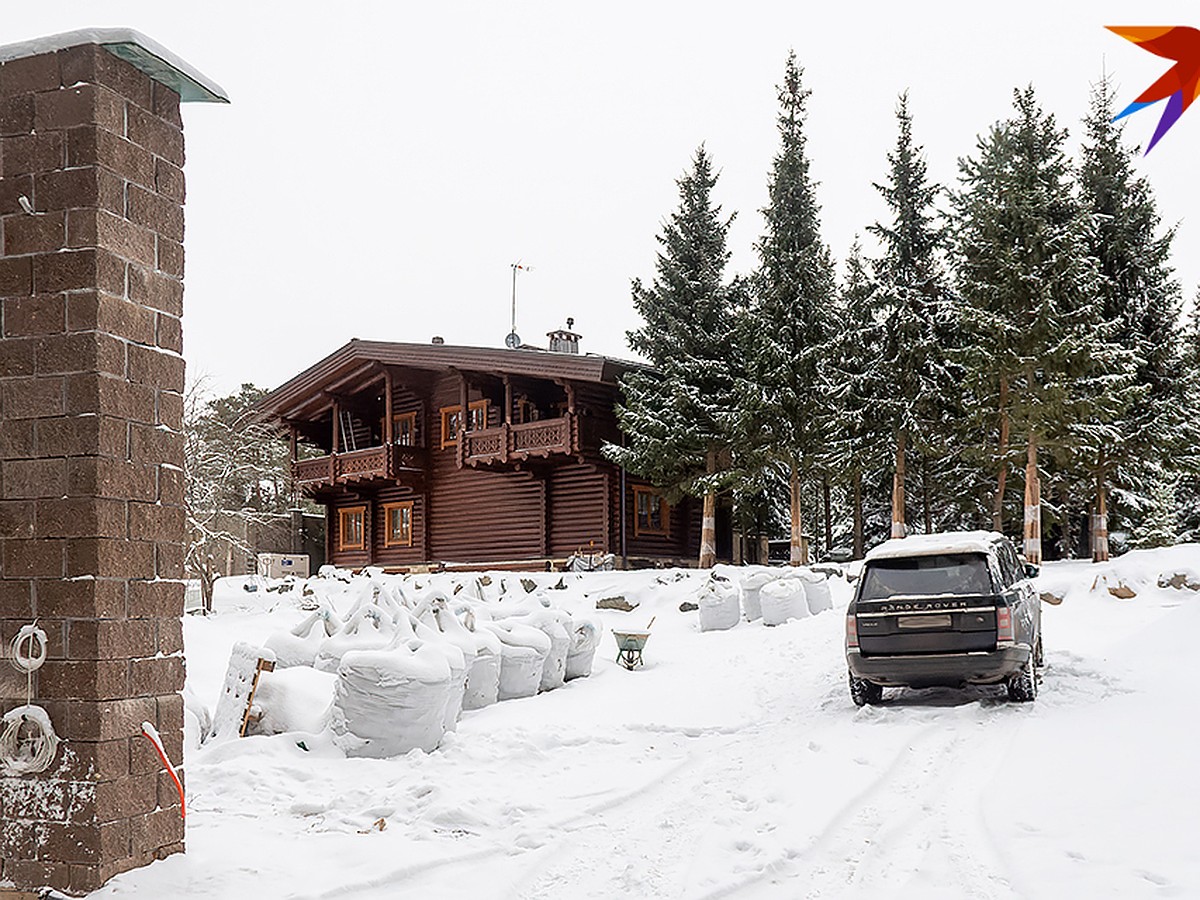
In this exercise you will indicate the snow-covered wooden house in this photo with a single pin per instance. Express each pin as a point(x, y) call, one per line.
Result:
point(427, 454)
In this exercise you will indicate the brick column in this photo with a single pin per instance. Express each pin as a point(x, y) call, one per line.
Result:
point(91, 455)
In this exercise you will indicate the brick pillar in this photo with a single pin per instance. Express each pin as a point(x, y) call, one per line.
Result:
point(91, 456)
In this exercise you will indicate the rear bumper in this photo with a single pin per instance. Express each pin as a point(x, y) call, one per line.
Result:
point(939, 669)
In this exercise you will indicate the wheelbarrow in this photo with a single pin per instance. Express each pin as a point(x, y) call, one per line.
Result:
point(630, 645)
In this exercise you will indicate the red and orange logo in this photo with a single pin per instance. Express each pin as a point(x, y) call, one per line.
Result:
point(1181, 83)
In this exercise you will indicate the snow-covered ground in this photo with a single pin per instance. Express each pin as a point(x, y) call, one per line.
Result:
point(732, 765)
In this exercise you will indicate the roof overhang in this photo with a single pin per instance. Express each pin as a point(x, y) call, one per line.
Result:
point(359, 364)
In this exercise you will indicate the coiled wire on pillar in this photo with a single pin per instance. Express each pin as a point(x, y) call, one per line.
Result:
point(28, 743)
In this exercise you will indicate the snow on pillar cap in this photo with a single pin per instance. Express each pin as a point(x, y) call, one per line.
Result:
point(136, 49)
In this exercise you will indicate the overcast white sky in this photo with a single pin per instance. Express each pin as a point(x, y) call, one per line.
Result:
point(383, 164)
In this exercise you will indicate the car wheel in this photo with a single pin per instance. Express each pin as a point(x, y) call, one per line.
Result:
point(864, 692)
point(1022, 685)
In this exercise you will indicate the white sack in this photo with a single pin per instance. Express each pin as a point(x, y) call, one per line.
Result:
point(585, 638)
point(522, 659)
point(783, 599)
point(552, 623)
point(751, 588)
point(388, 702)
point(816, 592)
point(481, 652)
point(719, 608)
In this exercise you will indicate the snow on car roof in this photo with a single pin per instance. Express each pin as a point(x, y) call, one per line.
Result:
point(932, 544)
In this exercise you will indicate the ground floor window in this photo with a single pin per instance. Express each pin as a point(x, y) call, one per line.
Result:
point(352, 533)
point(398, 524)
point(651, 513)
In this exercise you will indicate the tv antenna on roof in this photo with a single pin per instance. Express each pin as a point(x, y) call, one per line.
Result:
point(513, 340)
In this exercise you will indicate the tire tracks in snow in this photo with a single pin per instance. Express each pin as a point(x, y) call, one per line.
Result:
point(918, 822)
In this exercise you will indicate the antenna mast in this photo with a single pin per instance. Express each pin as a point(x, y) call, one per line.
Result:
point(513, 341)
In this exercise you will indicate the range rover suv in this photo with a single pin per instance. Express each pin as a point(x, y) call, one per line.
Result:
point(944, 609)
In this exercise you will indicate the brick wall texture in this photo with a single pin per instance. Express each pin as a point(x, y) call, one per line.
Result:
point(91, 457)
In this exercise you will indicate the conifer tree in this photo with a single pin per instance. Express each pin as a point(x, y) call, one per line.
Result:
point(860, 383)
point(679, 419)
point(1141, 300)
point(784, 398)
point(911, 302)
point(1188, 493)
point(1028, 284)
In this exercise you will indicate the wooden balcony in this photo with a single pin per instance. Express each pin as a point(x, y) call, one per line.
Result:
point(395, 463)
point(518, 443)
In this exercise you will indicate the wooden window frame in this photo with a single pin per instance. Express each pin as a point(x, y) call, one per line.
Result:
point(447, 412)
point(664, 512)
point(411, 418)
point(345, 512)
point(388, 509)
point(523, 411)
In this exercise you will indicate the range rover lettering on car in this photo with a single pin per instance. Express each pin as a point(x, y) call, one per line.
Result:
point(944, 609)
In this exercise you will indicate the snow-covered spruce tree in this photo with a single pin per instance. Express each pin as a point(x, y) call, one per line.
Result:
point(679, 419)
point(911, 302)
point(858, 384)
point(1188, 491)
point(1148, 433)
point(784, 396)
point(1029, 287)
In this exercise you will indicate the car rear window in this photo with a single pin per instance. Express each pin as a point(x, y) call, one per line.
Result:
point(923, 576)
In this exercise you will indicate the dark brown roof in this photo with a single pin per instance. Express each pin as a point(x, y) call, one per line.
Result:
point(359, 363)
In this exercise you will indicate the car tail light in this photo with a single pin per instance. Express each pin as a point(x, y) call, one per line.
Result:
point(851, 631)
point(1004, 625)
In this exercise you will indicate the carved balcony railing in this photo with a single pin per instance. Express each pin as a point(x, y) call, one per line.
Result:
point(353, 466)
point(516, 443)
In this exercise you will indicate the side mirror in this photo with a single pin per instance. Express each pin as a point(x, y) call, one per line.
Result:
point(1031, 571)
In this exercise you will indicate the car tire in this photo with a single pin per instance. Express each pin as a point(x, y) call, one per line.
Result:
point(864, 692)
point(1022, 684)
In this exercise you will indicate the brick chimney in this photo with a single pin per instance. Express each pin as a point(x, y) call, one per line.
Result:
point(91, 455)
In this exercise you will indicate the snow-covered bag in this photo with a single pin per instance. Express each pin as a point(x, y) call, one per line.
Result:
point(585, 638)
point(816, 592)
point(483, 678)
point(300, 646)
point(522, 658)
point(552, 623)
point(481, 652)
point(719, 607)
point(783, 599)
point(293, 699)
point(369, 627)
point(752, 585)
point(388, 702)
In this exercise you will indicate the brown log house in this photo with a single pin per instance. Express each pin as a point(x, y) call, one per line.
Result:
point(379, 437)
